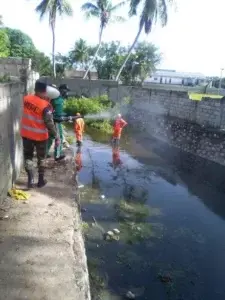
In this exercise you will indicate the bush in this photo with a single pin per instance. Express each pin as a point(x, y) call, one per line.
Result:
point(87, 105)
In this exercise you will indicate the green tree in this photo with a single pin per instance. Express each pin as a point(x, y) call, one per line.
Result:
point(80, 55)
point(152, 11)
point(21, 45)
point(4, 43)
point(41, 63)
point(103, 10)
point(52, 8)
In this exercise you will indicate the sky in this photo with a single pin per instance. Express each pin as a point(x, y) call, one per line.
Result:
point(192, 41)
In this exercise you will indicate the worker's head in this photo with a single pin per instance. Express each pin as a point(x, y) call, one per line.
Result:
point(64, 89)
point(40, 89)
point(118, 116)
point(78, 114)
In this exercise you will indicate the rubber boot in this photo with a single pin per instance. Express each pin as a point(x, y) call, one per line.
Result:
point(60, 157)
point(30, 179)
point(41, 181)
point(79, 143)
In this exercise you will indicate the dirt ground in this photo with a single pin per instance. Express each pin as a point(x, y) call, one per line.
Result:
point(42, 254)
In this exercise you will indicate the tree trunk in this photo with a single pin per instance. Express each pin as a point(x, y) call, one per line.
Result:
point(129, 52)
point(96, 53)
point(53, 49)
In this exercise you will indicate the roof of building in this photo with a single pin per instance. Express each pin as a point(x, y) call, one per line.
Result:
point(173, 73)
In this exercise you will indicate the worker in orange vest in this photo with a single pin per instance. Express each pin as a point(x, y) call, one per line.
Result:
point(79, 129)
point(36, 125)
point(118, 126)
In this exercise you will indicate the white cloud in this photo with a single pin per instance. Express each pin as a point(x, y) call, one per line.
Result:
point(192, 41)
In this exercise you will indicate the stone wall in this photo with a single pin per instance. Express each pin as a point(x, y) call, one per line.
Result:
point(10, 141)
point(197, 127)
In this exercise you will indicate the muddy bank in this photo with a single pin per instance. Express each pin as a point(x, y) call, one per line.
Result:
point(42, 250)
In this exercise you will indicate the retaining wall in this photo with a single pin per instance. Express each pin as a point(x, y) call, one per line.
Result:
point(10, 141)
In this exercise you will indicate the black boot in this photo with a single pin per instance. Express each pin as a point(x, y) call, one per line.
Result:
point(30, 181)
point(61, 157)
point(41, 181)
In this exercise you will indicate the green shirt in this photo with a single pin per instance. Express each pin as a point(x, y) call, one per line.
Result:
point(58, 107)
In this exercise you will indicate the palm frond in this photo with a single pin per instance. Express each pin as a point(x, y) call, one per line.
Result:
point(43, 8)
point(64, 8)
point(163, 12)
point(133, 7)
point(88, 6)
point(90, 10)
point(117, 6)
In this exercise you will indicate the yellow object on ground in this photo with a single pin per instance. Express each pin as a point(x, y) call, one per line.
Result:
point(18, 194)
point(198, 97)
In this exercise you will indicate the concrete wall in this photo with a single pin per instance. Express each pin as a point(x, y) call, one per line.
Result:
point(10, 141)
point(197, 127)
point(98, 87)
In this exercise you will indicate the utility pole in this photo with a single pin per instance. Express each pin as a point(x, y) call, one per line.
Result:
point(221, 75)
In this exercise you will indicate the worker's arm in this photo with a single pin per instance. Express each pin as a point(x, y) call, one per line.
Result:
point(123, 123)
point(49, 123)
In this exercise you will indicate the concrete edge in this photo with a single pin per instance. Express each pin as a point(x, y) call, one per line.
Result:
point(82, 281)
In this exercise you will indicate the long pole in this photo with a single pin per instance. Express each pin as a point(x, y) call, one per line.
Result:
point(221, 75)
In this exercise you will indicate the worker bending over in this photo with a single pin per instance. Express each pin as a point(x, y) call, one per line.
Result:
point(36, 126)
point(118, 126)
point(79, 129)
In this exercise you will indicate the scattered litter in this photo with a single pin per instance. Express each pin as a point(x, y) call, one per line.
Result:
point(80, 186)
point(110, 233)
point(130, 295)
point(103, 196)
point(18, 194)
point(165, 278)
point(116, 231)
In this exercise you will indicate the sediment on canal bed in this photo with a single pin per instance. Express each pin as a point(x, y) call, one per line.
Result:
point(42, 249)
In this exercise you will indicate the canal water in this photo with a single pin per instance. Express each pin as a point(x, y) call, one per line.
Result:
point(171, 243)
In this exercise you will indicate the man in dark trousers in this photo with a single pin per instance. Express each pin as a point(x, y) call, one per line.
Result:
point(36, 126)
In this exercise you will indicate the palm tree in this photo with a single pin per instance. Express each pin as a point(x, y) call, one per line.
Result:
point(52, 8)
point(103, 10)
point(80, 53)
point(153, 10)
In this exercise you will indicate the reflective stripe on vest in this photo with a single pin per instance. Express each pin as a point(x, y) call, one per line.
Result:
point(35, 129)
point(29, 117)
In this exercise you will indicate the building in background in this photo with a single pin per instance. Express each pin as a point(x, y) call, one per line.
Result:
point(177, 78)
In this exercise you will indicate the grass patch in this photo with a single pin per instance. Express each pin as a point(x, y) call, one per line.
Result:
point(132, 211)
point(132, 233)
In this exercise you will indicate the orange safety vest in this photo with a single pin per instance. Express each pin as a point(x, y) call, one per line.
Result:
point(32, 123)
point(118, 127)
point(79, 125)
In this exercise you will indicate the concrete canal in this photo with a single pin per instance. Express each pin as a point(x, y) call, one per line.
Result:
point(171, 242)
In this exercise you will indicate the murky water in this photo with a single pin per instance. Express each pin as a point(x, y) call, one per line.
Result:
point(171, 243)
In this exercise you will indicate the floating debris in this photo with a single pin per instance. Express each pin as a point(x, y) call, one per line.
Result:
point(165, 278)
point(116, 231)
point(80, 186)
point(102, 196)
point(130, 295)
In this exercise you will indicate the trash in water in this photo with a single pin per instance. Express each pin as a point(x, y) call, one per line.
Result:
point(83, 209)
point(80, 186)
point(110, 233)
point(103, 196)
point(116, 231)
point(130, 295)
